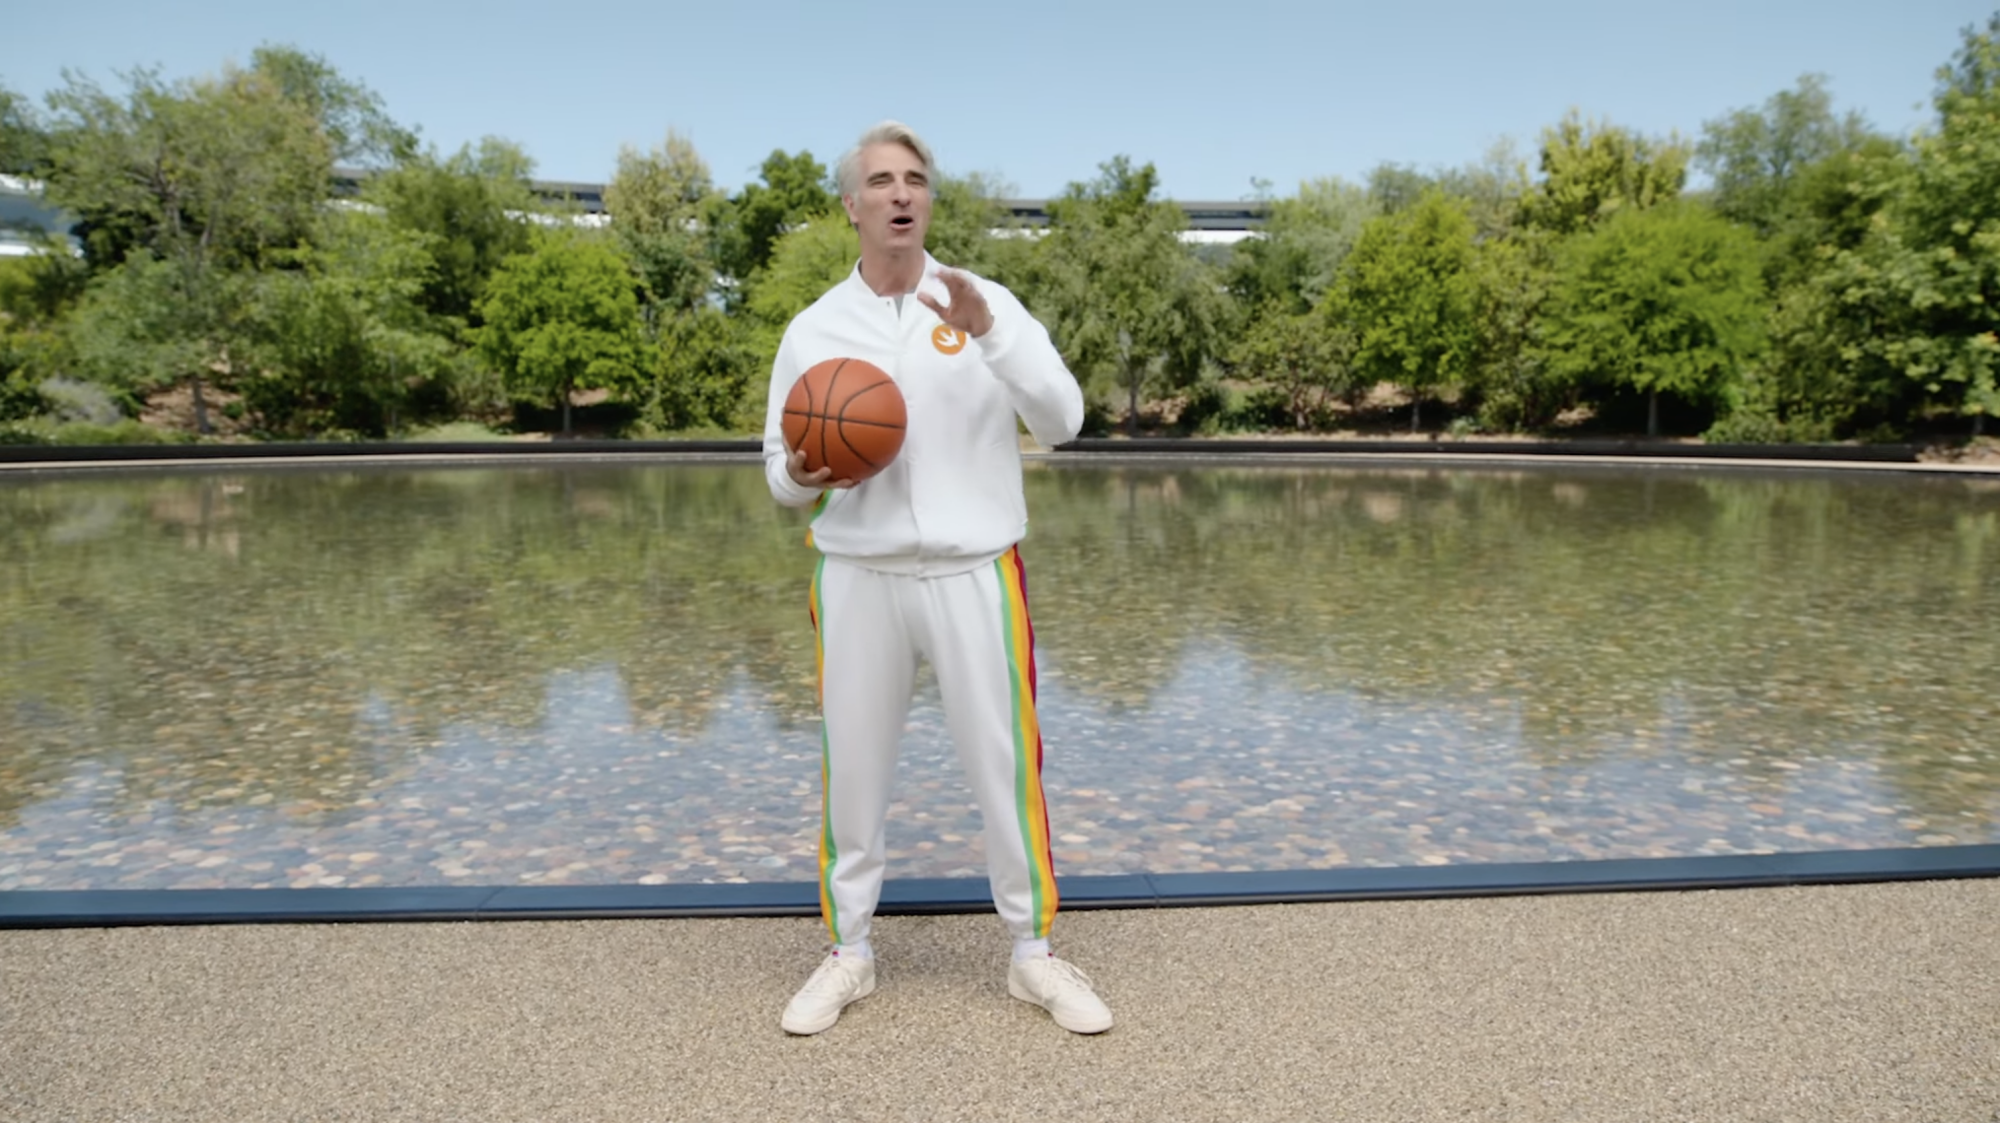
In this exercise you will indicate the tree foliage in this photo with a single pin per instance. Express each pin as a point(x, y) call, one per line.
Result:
point(1949, 227)
point(470, 206)
point(1495, 189)
point(563, 317)
point(1304, 242)
point(1410, 295)
point(189, 186)
point(705, 367)
point(1895, 321)
point(793, 190)
point(220, 251)
point(132, 332)
point(342, 344)
point(1396, 187)
point(352, 117)
point(660, 203)
point(971, 229)
point(207, 173)
point(1758, 158)
point(1592, 170)
point(23, 142)
point(1668, 300)
point(805, 263)
point(1305, 359)
point(1511, 376)
point(1825, 265)
point(1124, 299)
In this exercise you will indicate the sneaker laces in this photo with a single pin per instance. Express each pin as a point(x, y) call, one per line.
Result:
point(1066, 976)
point(829, 977)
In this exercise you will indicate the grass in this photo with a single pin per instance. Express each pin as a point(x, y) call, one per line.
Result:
point(456, 431)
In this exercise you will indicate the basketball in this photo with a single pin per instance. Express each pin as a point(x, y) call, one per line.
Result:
point(846, 414)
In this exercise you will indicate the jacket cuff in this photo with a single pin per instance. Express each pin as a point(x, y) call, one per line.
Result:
point(998, 340)
point(787, 490)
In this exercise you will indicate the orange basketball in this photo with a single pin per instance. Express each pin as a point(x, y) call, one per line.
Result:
point(846, 413)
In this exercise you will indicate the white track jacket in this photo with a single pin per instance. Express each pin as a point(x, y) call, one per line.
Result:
point(951, 501)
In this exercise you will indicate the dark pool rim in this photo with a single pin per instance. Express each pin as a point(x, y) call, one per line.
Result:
point(1906, 455)
point(105, 908)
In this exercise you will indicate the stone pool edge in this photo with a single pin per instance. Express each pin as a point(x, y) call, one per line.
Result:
point(95, 908)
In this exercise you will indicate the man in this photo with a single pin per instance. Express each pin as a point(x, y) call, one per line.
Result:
point(920, 561)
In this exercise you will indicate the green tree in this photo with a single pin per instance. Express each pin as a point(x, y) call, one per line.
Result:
point(1835, 201)
point(1396, 187)
point(563, 317)
point(971, 229)
point(1278, 277)
point(1899, 323)
point(1495, 188)
point(663, 205)
point(1948, 225)
point(356, 124)
point(1758, 158)
point(132, 334)
point(1300, 249)
point(343, 343)
point(805, 262)
point(710, 360)
point(1123, 297)
point(1510, 373)
point(23, 142)
point(1304, 357)
point(1590, 171)
point(1669, 300)
point(793, 191)
point(36, 291)
point(209, 172)
point(1409, 295)
point(193, 184)
point(660, 202)
point(707, 363)
point(1831, 271)
point(474, 207)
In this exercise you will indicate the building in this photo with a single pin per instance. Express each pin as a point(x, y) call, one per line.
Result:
point(25, 217)
point(24, 214)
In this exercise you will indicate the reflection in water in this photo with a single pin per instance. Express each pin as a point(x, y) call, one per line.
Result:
point(601, 673)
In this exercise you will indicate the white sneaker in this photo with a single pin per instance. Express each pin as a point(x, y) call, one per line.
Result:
point(834, 983)
point(1062, 989)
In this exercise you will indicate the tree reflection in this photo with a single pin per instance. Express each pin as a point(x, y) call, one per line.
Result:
point(286, 636)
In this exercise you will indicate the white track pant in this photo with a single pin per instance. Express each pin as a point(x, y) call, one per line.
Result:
point(974, 630)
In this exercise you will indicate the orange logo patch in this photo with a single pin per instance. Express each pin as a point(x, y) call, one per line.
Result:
point(947, 339)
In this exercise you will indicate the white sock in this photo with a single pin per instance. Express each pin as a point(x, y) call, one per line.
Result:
point(854, 951)
point(1031, 949)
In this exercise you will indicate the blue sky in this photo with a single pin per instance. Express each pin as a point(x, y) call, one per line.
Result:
point(1033, 91)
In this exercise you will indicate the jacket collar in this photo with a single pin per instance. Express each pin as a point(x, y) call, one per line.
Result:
point(926, 283)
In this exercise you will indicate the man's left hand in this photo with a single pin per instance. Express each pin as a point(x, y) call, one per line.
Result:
point(968, 311)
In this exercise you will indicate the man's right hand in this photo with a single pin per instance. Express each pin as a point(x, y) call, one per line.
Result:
point(795, 465)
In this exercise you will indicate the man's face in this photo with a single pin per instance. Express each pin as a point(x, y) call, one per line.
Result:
point(891, 208)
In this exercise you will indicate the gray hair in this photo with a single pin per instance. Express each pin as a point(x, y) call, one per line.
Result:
point(888, 132)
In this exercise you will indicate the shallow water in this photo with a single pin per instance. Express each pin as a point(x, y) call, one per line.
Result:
point(590, 674)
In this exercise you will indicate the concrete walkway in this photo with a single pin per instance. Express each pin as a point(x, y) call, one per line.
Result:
point(1874, 1002)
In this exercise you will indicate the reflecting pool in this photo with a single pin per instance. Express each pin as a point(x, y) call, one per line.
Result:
point(602, 673)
